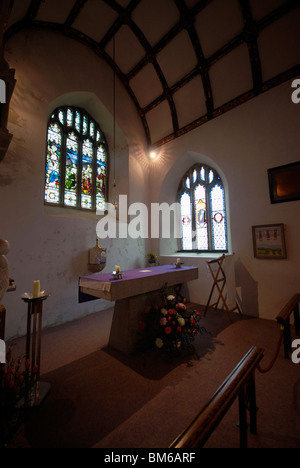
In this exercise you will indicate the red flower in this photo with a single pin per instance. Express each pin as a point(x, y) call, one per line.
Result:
point(142, 325)
point(171, 311)
point(179, 329)
point(168, 330)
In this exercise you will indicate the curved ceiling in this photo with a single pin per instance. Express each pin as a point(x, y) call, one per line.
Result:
point(183, 62)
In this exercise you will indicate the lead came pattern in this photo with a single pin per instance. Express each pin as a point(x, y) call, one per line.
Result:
point(76, 161)
point(202, 202)
point(53, 160)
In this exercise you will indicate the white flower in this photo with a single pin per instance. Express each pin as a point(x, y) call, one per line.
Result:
point(182, 306)
point(171, 298)
point(159, 342)
point(164, 311)
point(181, 321)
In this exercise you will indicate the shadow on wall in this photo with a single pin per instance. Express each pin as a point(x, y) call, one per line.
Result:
point(248, 287)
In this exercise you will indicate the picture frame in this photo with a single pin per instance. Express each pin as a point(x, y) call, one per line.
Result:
point(269, 242)
point(284, 183)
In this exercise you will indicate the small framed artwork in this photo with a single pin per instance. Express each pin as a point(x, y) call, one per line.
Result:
point(284, 183)
point(269, 241)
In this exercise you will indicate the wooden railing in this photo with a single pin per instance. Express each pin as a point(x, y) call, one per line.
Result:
point(239, 384)
point(2, 322)
point(283, 318)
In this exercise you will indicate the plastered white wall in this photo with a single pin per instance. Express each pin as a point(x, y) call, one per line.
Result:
point(242, 145)
point(47, 243)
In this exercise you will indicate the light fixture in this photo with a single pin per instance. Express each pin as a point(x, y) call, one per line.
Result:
point(152, 155)
point(115, 193)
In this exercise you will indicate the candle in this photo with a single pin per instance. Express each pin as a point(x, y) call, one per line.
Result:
point(36, 288)
point(117, 269)
point(178, 261)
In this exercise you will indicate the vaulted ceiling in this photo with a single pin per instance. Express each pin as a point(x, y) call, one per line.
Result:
point(183, 62)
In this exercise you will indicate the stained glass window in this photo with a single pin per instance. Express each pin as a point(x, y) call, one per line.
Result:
point(203, 212)
point(76, 161)
point(71, 172)
point(53, 163)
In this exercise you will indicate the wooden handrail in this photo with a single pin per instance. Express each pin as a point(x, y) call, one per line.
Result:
point(2, 322)
point(288, 309)
point(283, 318)
point(239, 383)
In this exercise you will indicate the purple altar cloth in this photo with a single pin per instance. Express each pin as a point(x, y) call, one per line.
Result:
point(134, 282)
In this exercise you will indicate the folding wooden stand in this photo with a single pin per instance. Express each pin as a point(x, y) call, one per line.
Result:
point(219, 282)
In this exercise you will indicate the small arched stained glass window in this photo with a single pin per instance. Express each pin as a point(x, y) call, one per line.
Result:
point(203, 211)
point(76, 161)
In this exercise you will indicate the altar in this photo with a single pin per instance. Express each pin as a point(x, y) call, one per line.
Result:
point(136, 290)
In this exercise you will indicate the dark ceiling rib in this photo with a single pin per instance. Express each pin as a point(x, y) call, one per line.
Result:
point(187, 21)
point(125, 19)
point(79, 4)
point(151, 58)
point(276, 14)
point(266, 86)
point(33, 9)
point(250, 37)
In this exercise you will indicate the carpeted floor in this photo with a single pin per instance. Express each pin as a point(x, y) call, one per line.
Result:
point(101, 399)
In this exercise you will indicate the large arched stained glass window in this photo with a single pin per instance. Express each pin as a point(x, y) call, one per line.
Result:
point(76, 161)
point(201, 197)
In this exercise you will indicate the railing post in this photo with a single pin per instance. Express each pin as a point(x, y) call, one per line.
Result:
point(251, 394)
point(296, 319)
point(287, 338)
point(243, 419)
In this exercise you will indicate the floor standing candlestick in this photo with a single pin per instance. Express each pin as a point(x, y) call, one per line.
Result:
point(33, 344)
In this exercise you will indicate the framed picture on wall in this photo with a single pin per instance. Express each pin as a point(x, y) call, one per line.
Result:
point(269, 241)
point(284, 183)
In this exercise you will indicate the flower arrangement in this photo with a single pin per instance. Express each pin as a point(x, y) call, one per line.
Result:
point(152, 258)
point(171, 326)
point(16, 382)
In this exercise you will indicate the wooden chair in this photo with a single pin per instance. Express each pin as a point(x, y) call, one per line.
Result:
point(219, 283)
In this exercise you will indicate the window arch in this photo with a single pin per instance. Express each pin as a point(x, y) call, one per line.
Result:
point(201, 197)
point(76, 161)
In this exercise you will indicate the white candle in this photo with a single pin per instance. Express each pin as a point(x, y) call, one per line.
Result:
point(36, 288)
point(117, 269)
point(178, 260)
